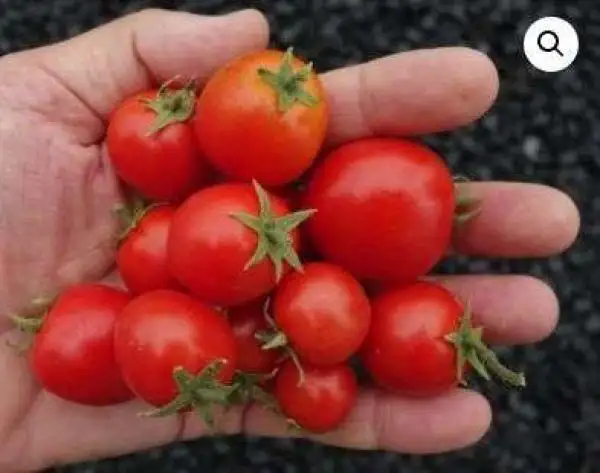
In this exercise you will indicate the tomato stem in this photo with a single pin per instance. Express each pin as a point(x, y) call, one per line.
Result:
point(275, 339)
point(131, 214)
point(248, 389)
point(288, 83)
point(200, 392)
point(466, 207)
point(493, 364)
point(470, 349)
point(274, 241)
point(172, 105)
point(30, 321)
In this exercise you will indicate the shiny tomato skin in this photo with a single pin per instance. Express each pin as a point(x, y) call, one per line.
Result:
point(241, 131)
point(165, 166)
point(72, 356)
point(405, 351)
point(324, 312)
point(322, 402)
point(385, 209)
point(246, 321)
point(162, 330)
point(142, 257)
point(208, 249)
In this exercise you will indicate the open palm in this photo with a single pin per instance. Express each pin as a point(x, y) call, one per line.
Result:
point(57, 193)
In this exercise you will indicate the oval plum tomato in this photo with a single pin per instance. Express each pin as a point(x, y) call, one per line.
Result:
point(263, 116)
point(421, 342)
point(247, 321)
point(321, 401)
point(142, 257)
point(152, 146)
point(73, 353)
point(171, 348)
point(323, 314)
point(229, 244)
point(385, 208)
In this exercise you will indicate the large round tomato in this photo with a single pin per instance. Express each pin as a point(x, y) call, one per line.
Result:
point(323, 312)
point(161, 164)
point(161, 331)
point(247, 322)
point(421, 342)
point(322, 401)
point(263, 116)
point(142, 257)
point(384, 208)
point(209, 248)
point(73, 354)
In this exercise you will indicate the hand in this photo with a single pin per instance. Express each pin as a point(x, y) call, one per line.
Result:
point(57, 193)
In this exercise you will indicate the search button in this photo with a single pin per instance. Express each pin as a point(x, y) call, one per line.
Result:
point(551, 44)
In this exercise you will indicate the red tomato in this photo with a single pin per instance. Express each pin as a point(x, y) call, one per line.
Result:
point(323, 312)
point(209, 249)
point(384, 208)
point(162, 330)
point(142, 258)
point(247, 321)
point(73, 354)
point(408, 349)
point(322, 401)
point(263, 116)
point(165, 164)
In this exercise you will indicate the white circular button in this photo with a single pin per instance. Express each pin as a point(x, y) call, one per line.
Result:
point(551, 44)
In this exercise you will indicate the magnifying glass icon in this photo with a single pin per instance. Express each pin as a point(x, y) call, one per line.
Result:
point(549, 47)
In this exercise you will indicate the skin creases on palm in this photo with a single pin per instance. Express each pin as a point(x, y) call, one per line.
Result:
point(57, 192)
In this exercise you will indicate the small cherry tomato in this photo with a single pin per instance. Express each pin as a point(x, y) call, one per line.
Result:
point(167, 343)
point(247, 322)
point(263, 116)
point(421, 343)
point(321, 400)
point(151, 144)
point(323, 313)
point(385, 208)
point(72, 355)
point(142, 257)
point(229, 244)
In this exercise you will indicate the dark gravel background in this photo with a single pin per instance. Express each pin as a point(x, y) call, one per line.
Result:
point(545, 128)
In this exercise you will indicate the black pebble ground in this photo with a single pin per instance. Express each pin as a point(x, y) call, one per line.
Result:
point(545, 128)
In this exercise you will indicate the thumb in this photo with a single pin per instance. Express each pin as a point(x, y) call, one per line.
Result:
point(111, 62)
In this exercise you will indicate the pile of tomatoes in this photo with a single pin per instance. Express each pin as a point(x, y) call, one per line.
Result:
point(259, 264)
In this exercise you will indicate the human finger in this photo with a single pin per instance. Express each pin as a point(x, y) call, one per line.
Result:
point(410, 93)
point(517, 220)
point(383, 421)
point(512, 309)
point(109, 63)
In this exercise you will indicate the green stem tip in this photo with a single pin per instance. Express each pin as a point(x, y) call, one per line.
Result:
point(172, 104)
point(288, 83)
point(466, 206)
point(471, 350)
point(201, 392)
point(274, 234)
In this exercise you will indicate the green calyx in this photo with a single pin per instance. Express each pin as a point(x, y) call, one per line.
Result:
point(131, 214)
point(289, 83)
point(199, 392)
point(466, 206)
point(274, 240)
point(470, 349)
point(248, 389)
point(30, 321)
point(274, 338)
point(172, 105)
